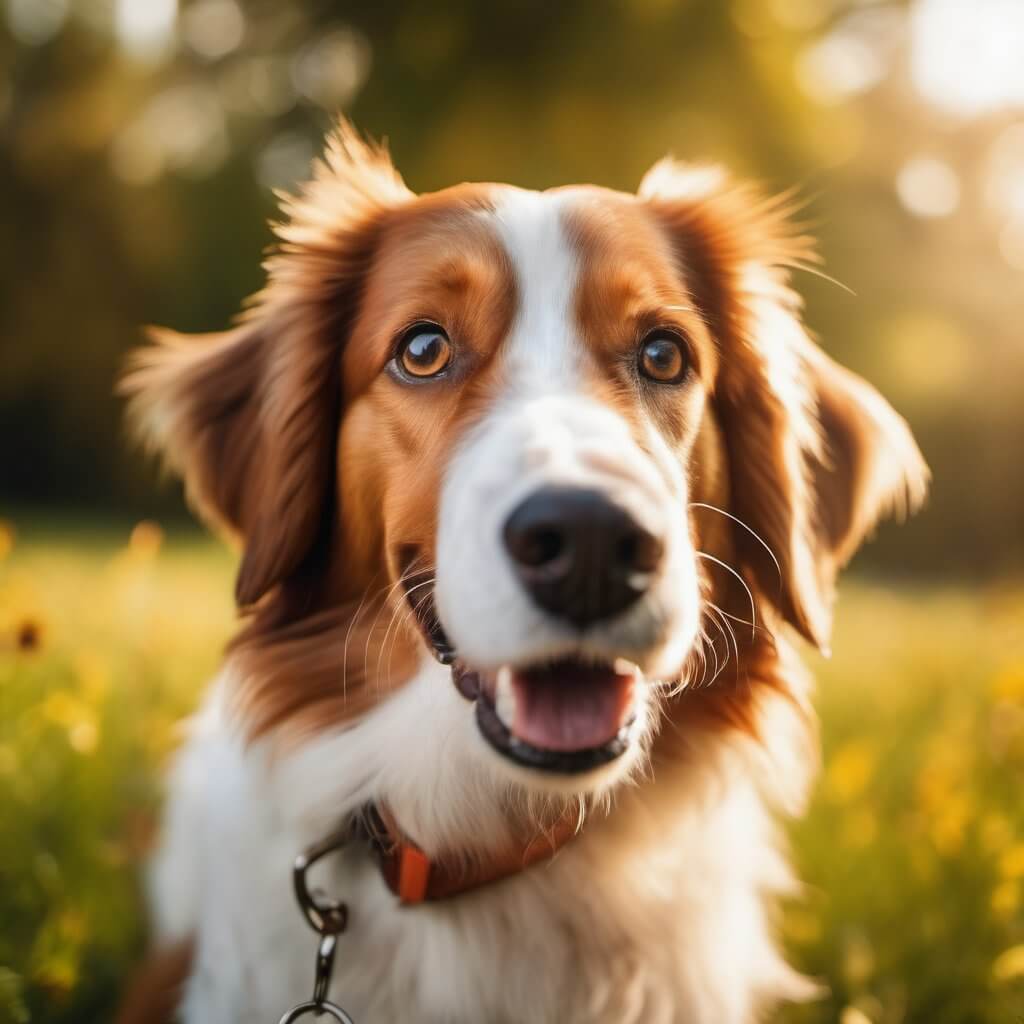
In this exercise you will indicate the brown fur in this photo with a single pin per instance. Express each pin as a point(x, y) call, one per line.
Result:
point(314, 666)
point(291, 435)
point(815, 456)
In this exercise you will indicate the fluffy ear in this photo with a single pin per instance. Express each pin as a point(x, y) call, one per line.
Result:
point(816, 455)
point(249, 418)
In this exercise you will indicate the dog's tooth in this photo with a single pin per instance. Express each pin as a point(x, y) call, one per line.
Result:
point(505, 697)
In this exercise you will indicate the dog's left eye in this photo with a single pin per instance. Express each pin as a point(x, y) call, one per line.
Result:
point(424, 351)
point(662, 358)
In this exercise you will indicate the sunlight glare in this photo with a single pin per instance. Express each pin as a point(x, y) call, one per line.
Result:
point(852, 58)
point(928, 187)
point(35, 22)
point(967, 59)
point(213, 28)
point(145, 28)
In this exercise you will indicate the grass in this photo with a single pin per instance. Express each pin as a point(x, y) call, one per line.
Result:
point(913, 852)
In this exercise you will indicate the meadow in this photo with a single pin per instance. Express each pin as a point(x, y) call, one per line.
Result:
point(912, 854)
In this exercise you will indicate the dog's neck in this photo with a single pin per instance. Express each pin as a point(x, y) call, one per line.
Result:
point(416, 878)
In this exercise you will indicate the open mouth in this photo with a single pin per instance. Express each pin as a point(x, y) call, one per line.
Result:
point(567, 716)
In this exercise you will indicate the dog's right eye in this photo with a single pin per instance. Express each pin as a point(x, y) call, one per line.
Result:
point(662, 359)
point(424, 351)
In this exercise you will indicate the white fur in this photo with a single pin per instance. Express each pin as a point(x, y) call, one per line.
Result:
point(655, 913)
point(544, 429)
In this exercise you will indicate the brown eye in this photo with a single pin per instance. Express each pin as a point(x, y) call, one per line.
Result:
point(662, 358)
point(425, 351)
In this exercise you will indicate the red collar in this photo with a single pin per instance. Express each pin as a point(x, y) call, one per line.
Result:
point(416, 878)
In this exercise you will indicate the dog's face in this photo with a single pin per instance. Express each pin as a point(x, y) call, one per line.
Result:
point(525, 385)
point(573, 442)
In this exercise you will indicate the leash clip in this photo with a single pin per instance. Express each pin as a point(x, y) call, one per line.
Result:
point(328, 917)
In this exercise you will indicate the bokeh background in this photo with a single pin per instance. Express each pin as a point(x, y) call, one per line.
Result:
point(140, 144)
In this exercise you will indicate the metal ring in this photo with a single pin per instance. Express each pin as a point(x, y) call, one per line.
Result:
point(316, 1010)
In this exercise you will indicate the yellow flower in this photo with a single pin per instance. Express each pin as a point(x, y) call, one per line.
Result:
point(146, 540)
point(93, 676)
point(1009, 965)
point(1009, 683)
point(995, 832)
point(858, 959)
point(949, 824)
point(1005, 899)
point(84, 736)
point(947, 767)
point(58, 972)
point(853, 1015)
point(850, 770)
point(61, 708)
point(76, 717)
point(1011, 863)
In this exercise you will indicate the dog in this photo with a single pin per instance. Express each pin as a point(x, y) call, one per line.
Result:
point(535, 493)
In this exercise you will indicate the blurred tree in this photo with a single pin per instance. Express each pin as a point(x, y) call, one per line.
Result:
point(139, 144)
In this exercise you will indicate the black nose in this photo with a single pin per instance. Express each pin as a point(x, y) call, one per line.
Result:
point(580, 556)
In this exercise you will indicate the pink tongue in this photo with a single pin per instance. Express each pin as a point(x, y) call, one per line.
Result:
point(570, 707)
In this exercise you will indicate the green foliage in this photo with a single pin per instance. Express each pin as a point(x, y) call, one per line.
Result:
point(913, 853)
point(914, 848)
point(102, 646)
point(134, 188)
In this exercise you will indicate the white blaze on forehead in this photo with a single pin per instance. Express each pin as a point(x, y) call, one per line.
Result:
point(547, 428)
point(543, 348)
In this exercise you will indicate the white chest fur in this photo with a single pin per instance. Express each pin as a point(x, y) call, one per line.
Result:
point(653, 914)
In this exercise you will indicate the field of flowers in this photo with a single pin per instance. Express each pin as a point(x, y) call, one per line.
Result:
point(913, 852)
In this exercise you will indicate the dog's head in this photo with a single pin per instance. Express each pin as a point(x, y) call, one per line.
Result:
point(576, 443)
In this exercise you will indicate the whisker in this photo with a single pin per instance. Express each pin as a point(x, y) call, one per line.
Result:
point(409, 572)
point(689, 676)
point(743, 583)
point(402, 624)
point(739, 522)
point(719, 669)
point(348, 636)
point(410, 611)
point(746, 622)
point(700, 651)
point(713, 647)
point(686, 672)
point(408, 606)
point(816, 272)
point(727, 634)
point(396, 614)
point(706, 645)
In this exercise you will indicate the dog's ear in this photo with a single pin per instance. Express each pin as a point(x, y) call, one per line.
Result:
point(816, 455)
point(249, 418)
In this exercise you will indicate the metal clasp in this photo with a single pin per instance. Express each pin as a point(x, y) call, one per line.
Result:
point(328, 917)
